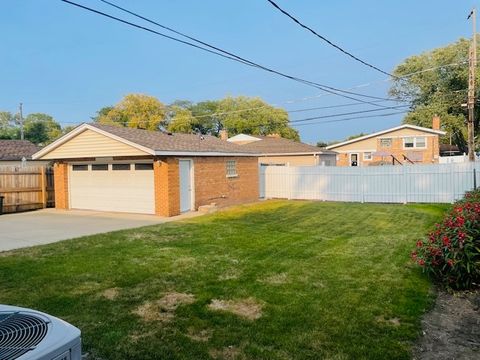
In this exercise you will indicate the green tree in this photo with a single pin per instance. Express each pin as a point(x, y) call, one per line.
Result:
point(436, 89)
point(8, 129)
point(182, 121)
point(136, 111)
point(41, 128)
point(254, 116)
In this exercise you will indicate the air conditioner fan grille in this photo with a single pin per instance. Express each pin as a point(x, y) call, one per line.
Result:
point(20, 333)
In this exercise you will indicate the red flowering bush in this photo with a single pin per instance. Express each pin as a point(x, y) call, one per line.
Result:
point(451, 252)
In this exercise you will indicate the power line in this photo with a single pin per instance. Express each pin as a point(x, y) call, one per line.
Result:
point(328, 41)
point(344, 114)
point(325, 88)
point(217, 48)
point(351, 118)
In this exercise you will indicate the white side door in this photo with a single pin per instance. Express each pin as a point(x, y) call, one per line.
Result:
point(185, 170)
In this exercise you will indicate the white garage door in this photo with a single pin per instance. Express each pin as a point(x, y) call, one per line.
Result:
point(125, 187)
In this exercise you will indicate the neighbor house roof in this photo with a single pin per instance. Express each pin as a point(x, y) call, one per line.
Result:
point(17, 149)
point(157, 142)
point(405, 126)
point(272, 145)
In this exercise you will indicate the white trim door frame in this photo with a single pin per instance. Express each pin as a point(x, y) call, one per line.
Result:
point(350, 155)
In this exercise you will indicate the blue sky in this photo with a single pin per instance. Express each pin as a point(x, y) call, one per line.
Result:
point(68, 63)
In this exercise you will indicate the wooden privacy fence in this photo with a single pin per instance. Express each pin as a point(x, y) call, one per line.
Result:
point(438, 183)
point(26, 188)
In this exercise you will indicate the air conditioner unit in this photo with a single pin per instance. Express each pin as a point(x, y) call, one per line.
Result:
point(31, 335)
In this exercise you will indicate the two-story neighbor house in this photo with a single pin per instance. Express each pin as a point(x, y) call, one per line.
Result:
point(402, 144)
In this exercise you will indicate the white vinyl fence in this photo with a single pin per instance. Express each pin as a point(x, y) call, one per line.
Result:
point(438, 183)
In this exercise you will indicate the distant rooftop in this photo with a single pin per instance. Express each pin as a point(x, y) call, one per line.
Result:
point(275, 145)
point(11, 150)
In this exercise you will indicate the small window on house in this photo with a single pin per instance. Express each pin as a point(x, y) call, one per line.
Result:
point(367, 156)
point(120, 166)
point(231, 167)
point(387, 142)
point(80, 167)
point(409, 142)
point(99, 167)
point(420, 142)
point(143, 166)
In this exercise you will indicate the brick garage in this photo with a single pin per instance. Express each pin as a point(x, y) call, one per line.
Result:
point(108, 168)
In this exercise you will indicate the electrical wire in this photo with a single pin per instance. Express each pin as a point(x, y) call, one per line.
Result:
point(325, 88)
point(275, 5)
point(351, 118)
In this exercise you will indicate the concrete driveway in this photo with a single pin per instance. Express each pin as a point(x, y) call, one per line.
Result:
point(50, 225)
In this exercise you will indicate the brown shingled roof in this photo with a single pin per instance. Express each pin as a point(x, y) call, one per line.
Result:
point(160, 141)
point(17, 149)
point(278, 145)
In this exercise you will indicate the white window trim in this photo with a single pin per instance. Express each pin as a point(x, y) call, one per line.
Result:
point(371, 156)
point(414, 143)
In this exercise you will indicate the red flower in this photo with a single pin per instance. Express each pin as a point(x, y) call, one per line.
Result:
point(450, 262)
point(421, 262)
point(461, 235)
point(446, 241)
point(460, 221)
point(419, 243)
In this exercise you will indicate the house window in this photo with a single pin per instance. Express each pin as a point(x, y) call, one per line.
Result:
point(80, 167)
point(231, 167)
point(367, 156)
point(143, 166)
point(99, 167)
point(409, 142)
point(120, 166)
point(414, 142)
point(420, 142)
point(387, 142)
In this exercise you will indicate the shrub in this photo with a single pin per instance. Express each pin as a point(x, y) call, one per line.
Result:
point(450, 253)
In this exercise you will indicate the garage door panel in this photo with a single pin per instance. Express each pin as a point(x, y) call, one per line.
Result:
point(113, 190)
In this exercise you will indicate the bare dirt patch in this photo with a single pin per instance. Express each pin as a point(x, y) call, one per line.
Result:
point(111, 294)
point(276, 279)
point(199, 335)
point(164, 308)
point(248, 308)
point(227, 353)
point(389, 321)
point(452, 329)
point(230, 274)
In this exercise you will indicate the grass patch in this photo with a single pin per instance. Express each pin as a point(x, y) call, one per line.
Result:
point(322, 280)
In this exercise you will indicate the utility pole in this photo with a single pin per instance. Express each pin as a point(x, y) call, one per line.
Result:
point(20, 120)
point(472, 63)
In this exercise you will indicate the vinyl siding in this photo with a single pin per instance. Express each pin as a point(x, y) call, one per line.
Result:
point(91, 144)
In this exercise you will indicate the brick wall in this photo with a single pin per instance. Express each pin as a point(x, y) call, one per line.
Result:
point(212, 184)
point(60, 178)
point(429, 155)
point(167, 186)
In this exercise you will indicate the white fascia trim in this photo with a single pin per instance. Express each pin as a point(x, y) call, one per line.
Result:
point(201, 153)
point(82, 128)
point(355, 151)
point(296, 153)
point(405, 126)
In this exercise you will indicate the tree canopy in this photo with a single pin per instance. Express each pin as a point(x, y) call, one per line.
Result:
point(136, 111)
point(38, 128)
point(247, 115)
point(437, 86)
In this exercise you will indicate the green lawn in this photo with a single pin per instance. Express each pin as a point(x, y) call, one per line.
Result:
point(295, 280)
